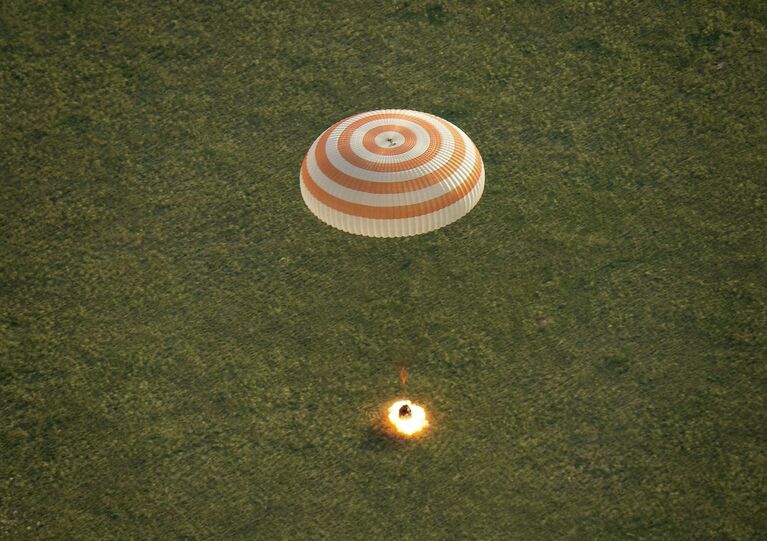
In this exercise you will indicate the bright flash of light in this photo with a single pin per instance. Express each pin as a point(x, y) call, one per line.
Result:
point(410, 424)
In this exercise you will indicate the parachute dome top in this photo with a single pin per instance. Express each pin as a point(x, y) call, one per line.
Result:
point(392, 173)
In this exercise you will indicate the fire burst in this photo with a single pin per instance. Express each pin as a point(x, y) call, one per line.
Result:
point(407, 418)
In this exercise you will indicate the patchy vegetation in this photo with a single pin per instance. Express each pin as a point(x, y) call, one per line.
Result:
point(187, 353)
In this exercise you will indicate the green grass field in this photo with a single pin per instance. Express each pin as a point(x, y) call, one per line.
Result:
point(186, 352)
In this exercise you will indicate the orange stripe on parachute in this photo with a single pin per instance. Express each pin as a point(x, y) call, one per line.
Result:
point(378, 187)
point(344, 147)
point(394, 212)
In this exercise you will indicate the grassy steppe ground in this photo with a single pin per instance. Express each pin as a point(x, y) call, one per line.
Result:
point(187, 353)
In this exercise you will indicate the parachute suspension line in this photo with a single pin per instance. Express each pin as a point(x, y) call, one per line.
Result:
point(404, 372)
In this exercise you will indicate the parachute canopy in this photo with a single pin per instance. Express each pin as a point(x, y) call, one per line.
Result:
point(392, 173)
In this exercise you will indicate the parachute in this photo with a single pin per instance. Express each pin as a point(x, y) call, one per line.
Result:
point(392, 173)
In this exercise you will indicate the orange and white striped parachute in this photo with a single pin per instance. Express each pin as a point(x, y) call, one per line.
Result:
point(392, 173)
